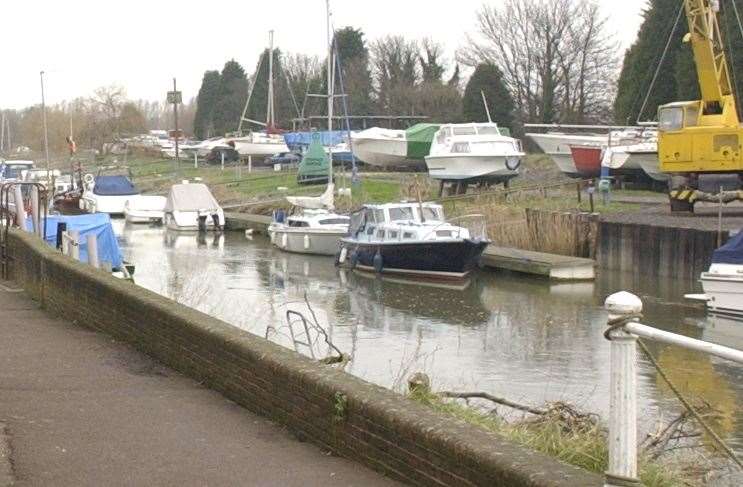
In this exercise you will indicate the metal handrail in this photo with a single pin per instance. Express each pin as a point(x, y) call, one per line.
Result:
point(460, 228)
point(7, 218)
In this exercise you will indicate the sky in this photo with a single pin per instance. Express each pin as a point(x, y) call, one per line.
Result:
point(142, 45)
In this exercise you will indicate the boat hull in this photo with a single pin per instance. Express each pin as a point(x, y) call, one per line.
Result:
point(113, 205)
point(442, 260)
point(143, 216)
point(382, 152)
point(474, 167)
point(256, 149)
point(587, 160)
point(188, 221)
point(725, 293)
point(648, 161)
point(302, 241)
point(557, 147)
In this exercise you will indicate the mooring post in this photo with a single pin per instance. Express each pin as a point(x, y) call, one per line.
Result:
point(65, 241)
point(622, 308)
point(35, 220)
point(20, 210)
point(196, 160)
point(75, 244)
point(93, 250)
point(222, 153)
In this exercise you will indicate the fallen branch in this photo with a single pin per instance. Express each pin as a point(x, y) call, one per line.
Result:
point(497, 400)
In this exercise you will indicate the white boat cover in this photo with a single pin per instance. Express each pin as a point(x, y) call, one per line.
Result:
point(326, 200)
point(191, 197)
point(147, 203)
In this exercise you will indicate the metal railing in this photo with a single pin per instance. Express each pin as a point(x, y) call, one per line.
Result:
point(475, 225)
point(15, 198)
point(625, 331)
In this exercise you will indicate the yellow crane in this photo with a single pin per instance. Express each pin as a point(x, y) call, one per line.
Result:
point(699, 142)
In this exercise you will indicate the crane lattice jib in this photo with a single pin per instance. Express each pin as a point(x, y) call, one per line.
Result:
point(709, 53)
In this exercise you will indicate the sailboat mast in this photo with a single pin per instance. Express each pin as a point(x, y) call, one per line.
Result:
point(485, 102)
point(270, 109)
point(330, 87)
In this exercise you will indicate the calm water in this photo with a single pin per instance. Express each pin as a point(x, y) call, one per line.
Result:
point(518, 337)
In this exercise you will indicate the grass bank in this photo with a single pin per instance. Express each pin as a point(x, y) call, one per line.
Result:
point(572, 437)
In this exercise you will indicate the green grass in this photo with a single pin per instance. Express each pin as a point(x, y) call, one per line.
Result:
point(581, 443)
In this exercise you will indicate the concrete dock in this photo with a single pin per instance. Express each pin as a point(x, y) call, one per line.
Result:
point(79, 408)
point(247, 221)
point(558, 267)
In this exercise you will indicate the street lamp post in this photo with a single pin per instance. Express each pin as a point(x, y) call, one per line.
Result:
point(43, 116)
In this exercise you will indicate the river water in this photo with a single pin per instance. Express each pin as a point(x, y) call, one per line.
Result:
point(519, 337)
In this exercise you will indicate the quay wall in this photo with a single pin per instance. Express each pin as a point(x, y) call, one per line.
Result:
point(335, 410)
point(662, 251)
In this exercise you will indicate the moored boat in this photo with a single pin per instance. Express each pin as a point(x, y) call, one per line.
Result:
point(723, 283)
point(108, 193)
point(145, 209)
point(191, 207)
point(411, 240)
point(474, 152)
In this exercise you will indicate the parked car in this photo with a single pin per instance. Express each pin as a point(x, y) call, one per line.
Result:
point(283, 158)
point(215, 155)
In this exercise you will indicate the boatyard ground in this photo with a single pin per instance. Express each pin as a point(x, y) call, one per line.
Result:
point(82, 409)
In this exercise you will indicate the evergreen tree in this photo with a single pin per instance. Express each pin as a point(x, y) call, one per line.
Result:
point(207, 97)
point(455, 78)
point(353, 56)
point(488, 78)
point(230, 99)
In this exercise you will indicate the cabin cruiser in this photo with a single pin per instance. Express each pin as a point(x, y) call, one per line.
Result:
point(312, 228)
point(107, 193)
point(191, 206)
point(627, 148)
point(474, 152)
point(412, 240)
point(145, 209)
point(723, 283)
point(392, 148)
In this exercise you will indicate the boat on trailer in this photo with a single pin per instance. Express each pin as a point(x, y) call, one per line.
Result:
point(412, 240)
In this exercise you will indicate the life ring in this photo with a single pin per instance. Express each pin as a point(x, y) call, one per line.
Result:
point(513, 163)
point(378, 263)
point(89, 179)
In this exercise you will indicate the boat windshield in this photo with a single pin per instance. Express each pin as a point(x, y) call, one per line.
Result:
point(467, 130)
point(335, 221)
point(432, 214)
point(488, 130)
point(402, 213)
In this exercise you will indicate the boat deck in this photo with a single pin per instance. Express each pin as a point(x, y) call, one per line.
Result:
point(558, 267)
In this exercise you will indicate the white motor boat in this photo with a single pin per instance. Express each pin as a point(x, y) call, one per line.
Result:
point(107, 193)
point(474, 152)
point(145, 209)
point(381, 147)
point(412, 240)
point(13, 170)
point(259, 144)
point(558, 147)
point(204, 148)
point(646, 156)
point(723, 283)
point(191, 206)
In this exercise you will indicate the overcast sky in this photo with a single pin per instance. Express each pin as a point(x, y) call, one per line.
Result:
point(142, 45)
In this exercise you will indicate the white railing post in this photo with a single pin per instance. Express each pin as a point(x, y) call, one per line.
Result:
point(20, 210)
point(622, 439)
point(35, 218)
point(92, 239)
point(196, 160)
point(66, 243)
point(75, 244)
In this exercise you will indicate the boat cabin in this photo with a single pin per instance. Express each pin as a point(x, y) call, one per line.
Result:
point(309, 218)
point(403, 222)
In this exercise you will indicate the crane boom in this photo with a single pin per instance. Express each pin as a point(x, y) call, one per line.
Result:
point(709, 53)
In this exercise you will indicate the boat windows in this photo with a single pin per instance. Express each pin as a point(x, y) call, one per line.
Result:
point(444, 233)
point(379, 216)
point(461, 148)
point(334, 221)
point(504, 146)
point(432, 213)
point(298, 223)
point(408, 235)
point(402, 213)
point(465, 130)
point(488, 130)
point(380, 233)
point(392, 234)
point(370, 231)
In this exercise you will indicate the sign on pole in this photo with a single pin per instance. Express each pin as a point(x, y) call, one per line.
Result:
point(175, 97)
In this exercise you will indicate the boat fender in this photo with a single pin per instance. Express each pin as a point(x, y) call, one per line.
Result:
point(306, 242)
point(354, 260)
point(284, 240)
point(342, 256)
point(378, 263)
point(513, 163)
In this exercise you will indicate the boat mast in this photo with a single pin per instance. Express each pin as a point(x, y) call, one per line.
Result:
point(485, 102)
point(330, 88)
point(270, 108)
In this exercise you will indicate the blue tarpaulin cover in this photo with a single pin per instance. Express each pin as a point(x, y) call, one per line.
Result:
point(114, 186)
point(98, 224)
point(731, 252)
point(299, 140)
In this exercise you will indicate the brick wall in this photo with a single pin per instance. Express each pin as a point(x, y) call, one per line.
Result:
point(376, 427)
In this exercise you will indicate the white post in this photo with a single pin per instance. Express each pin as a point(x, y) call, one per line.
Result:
point(222, 160)
point(35, 219)
point(195, 160)
point(75, 237)
point(250, 163)
point(622, 392)
point(65, 243)
point(20, 210)
point(93, 250)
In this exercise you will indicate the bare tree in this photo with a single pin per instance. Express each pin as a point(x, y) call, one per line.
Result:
point(556, 56)
point(396, 74)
